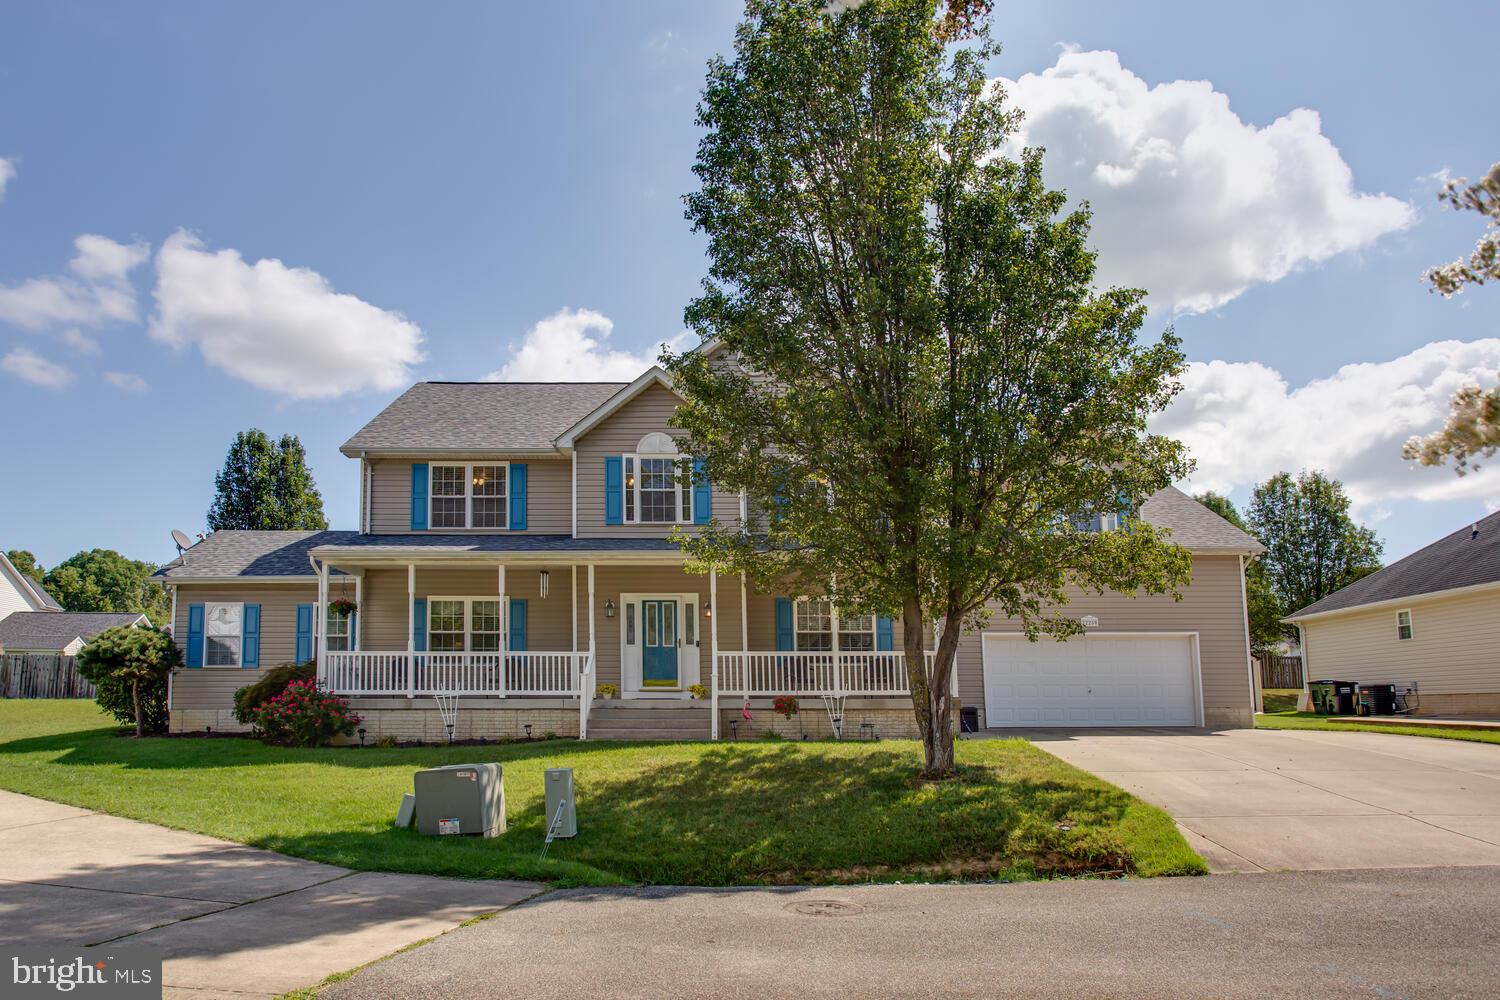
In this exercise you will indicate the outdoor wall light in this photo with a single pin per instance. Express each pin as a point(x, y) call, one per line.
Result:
point(609, 608)
point(708, 609)
point(545, 582)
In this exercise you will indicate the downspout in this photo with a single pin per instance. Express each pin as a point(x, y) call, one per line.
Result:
point(1255, 702)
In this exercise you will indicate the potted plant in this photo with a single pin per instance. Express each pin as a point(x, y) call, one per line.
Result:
point(608, 691)
point(785, 706)
point(342, 606)
point(698, 691)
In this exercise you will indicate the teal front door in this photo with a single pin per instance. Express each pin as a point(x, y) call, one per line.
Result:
point(659, 649)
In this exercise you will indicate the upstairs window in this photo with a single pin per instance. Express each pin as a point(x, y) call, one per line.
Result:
point(654, 491)
point(1403, 625)
point(468, 495)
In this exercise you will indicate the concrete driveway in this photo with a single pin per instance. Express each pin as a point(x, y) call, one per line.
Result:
point(229, 920)
point(1261, 799)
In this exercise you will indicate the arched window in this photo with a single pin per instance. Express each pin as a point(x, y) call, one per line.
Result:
point(654, 492)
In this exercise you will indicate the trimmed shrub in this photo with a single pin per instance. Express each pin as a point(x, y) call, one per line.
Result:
point(128, 667)
point(304, 715)
point(247, 700)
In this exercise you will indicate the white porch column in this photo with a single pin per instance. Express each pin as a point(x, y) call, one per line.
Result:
point(322, 623)
point(411, 630)
point(593, 653)
point(713, 652)
point(359, 614)
point(838, 653)
point(504, 629)
point(573, 593)
point(744, 615)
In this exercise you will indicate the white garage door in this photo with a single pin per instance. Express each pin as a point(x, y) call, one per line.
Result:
point(1136, 680)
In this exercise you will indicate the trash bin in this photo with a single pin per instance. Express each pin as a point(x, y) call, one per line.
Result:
point(968, 719)
point(1377, 699)
point(1332, 697)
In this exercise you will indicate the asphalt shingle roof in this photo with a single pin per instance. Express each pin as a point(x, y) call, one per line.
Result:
point(1194, 525)
point(55, 629)
point(1462, 559)
point(481, 416)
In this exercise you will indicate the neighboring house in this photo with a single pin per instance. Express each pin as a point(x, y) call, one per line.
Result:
point(64, 632)
point(1432, 618)
point(513, 549)
point(19, 592)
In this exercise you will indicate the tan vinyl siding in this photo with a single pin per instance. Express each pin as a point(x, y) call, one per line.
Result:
point(617, 435)
point(212, 688)
point(1454, 648)
point(549, 496)
point(1211, 605)
point(385, 602)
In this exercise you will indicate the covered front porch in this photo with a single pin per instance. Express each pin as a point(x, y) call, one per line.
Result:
point(521, 630)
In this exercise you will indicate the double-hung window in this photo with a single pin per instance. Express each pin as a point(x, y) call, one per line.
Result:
point(814, 628)
point(223, 634)
point(654, 491)
point(463, 624)
point(338, 631)
point(468, 495)
point(1403, 625)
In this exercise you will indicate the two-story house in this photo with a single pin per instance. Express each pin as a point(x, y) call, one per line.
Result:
point(513, 555)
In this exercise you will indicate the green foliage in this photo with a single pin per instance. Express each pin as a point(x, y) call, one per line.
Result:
point(24, 561)
point(1313, 546)
point(271, 683)
point(129, 668)
point(1265, 611)
point(304, 715)
point(928, 389)
point(105, 580)
point(266, 486)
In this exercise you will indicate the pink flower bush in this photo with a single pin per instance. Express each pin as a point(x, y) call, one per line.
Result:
point(304, 715)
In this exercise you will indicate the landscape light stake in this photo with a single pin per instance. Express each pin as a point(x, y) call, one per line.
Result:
point(528, 732)
point(734, 729)
point(361, 736)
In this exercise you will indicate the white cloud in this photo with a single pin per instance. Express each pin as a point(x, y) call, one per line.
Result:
point(7, 173)
point(97, 291)
point(80, 343)
point(572, 346)
point(127, 382)
point(1243, 423)
point(282, 329)
point(29, 366)
point(1191, 202)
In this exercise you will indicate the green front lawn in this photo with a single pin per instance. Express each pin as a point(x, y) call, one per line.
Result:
point(1308, 720)
point(689, 814)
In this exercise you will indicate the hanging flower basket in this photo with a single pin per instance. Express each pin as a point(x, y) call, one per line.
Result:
point(343, 607)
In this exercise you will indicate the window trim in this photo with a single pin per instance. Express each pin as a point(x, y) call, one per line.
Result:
point(328, 634)
point(872, 631)
point(1411, 631)
point(468, 497)
point(468, 629)
point(239, 654)
point(630, 492)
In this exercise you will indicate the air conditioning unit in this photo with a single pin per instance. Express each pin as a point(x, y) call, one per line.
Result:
point(460, 799)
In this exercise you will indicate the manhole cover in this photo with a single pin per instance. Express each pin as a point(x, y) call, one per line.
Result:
point(825, 908)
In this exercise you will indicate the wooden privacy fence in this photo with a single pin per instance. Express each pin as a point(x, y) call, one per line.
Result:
point(1280, 671)
point(42, 675)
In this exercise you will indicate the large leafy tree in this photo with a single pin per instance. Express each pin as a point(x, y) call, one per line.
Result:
point(929, 399)
point(105, 580)
point(25, 561)
point(1313, 546)
point(266, 486)
point(1266, 630)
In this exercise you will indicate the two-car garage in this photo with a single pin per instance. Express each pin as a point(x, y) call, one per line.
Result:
point(1115, 679)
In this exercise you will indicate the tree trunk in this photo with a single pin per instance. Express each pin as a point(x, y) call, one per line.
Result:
point(912, 627)
point(135, 698)
point(931, 694)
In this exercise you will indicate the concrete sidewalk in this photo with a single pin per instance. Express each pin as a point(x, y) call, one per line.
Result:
point(228, 918)
point(1277, 800)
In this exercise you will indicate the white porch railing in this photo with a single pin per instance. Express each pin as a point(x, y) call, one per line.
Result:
point(471, 674)
point(806, 674)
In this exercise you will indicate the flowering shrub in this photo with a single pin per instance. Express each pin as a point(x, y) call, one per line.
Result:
point(785, 706)
point(304, 715)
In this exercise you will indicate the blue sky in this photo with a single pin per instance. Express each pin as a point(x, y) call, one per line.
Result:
point(485, 188)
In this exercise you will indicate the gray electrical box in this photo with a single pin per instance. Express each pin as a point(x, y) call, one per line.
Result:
point(461, 799)
point(560, 809)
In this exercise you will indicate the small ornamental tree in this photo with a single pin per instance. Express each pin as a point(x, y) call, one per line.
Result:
point(131, 661)
point(918, 384)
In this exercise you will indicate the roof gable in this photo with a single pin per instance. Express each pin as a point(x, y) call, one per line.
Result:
point(653, 376)
point(56, 630)
point(30, 590)
point(1469, 557)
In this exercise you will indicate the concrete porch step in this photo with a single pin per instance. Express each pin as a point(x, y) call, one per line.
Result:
point(648, 720)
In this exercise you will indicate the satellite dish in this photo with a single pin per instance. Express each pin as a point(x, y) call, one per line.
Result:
point(182, 540)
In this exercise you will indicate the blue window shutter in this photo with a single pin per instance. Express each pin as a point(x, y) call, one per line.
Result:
point(785, 640)
point(517, 641)
point(304, 633)
point(419, 496)
point(703, 497)
point(250, 637)
point(518, 496)
point(419, 624)
point(614, 489)
point(195, 635)
point(884, 634)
